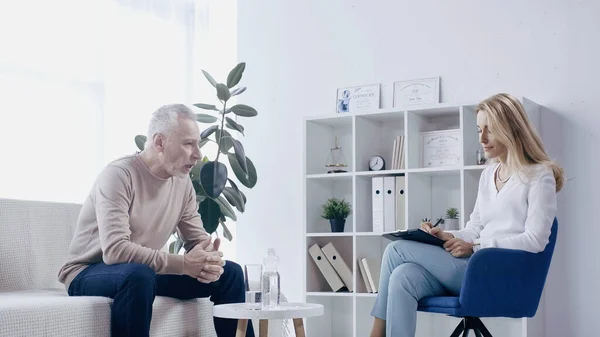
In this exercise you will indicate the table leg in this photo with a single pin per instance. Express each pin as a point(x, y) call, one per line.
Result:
point(241, 328)
point(264, 327)
point(299, 327)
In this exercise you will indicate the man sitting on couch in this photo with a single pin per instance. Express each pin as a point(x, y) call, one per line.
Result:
point(134, 206)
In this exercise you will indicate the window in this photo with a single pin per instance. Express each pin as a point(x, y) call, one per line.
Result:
point(79, 79)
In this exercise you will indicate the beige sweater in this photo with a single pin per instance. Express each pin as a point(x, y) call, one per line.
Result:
point(128, 217)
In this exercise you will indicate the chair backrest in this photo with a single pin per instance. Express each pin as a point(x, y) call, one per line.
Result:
point(545, 257)
point(34, 243)
point(503, 282)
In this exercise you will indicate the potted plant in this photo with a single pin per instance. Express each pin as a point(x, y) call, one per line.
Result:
point(452, 218)
point(336, 211)
point(217, 194)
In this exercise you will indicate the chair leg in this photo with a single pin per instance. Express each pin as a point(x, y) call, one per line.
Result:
point(459, 328)
point(478, 324)
point(471, 323)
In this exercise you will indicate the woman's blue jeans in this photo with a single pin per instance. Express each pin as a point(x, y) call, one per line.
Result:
point(411, 271)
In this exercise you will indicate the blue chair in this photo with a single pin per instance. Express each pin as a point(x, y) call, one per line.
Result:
point(498, 283)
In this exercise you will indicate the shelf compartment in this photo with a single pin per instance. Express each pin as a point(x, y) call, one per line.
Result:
point(337, 319)
point(419, 121)
point(320, 137)
point(364, 320)
point(315, 281)
point(470, 187)
point(317, 192)
point(430, 195)
point(372, 249)
point(375, 135)
point(469, 135)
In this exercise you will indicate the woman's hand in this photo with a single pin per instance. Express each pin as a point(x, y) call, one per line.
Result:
point(459, 248)
point(436, 231)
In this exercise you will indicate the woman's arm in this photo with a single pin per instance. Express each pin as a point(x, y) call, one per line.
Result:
point(541, 211)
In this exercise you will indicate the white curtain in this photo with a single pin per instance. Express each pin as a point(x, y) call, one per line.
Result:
point(78, 80)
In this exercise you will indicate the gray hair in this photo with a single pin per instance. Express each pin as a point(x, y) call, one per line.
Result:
point(164, 120)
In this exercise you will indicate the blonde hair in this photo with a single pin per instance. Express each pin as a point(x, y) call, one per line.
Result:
point(509, 123)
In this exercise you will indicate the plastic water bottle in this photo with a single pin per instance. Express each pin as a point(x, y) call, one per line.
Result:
point(270, 281)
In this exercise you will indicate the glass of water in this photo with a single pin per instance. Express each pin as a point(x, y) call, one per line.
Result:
point(252, 278)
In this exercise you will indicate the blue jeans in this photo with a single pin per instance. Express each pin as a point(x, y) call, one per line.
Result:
point(411, 271)
point(133, 287)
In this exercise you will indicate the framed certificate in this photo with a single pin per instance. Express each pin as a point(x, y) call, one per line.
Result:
point(441, 148)
point(416, 92)
point(358, 99)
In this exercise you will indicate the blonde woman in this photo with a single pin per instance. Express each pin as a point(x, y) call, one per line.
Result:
point(515, 209)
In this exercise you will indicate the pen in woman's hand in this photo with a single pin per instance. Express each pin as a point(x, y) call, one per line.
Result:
point(438, 222)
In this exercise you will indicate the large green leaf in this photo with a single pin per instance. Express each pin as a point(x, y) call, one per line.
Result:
point(210, 78)
point(240, 155)
point(227, 142)
point(235, 75)
point(204, 118)
point(243, 196)
point(210, 213)
point(234, 198)
point(195, 172)
point(234, 186)
point(248, 180)
point(223, 92)
point(237, 91)
point(203, 142)
point(209, 131)
point(213, 177)
point(206, 106)
point(226, 208)
point(244, 110)
point(140, 141)
point(230, 123)
point(226, 232)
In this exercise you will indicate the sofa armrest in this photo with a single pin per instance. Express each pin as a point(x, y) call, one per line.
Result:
point(503, 283)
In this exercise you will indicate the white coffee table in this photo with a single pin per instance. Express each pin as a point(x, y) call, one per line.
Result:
point(295, 311)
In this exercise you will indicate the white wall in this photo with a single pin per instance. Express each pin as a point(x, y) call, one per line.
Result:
point(299, 52)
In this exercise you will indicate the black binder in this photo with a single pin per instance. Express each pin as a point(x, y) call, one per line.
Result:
point(415, 235)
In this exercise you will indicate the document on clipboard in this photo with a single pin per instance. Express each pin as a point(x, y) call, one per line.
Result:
point(415, 235)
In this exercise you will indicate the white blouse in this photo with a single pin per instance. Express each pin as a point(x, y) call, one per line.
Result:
point(520, 216)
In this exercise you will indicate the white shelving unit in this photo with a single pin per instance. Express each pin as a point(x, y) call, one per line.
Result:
point(429, 192)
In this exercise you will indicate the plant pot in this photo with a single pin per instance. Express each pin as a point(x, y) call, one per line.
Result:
point(451, 224)
point(337, 225)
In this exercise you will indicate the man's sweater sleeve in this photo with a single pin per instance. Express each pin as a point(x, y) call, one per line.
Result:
point(190, 226)
point(113, 194)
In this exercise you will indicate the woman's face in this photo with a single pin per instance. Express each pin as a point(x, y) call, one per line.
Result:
point(492, 147)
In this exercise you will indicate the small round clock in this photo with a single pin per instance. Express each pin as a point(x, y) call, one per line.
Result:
point(376, 163)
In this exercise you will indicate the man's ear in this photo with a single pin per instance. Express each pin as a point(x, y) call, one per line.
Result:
point(159, 141)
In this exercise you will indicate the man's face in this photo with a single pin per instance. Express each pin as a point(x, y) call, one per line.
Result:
point(181, 151)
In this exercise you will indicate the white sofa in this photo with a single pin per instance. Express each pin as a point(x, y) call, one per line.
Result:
point(34, 238)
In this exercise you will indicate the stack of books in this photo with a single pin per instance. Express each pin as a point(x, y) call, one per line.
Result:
point(398, 154)
point(337, 273)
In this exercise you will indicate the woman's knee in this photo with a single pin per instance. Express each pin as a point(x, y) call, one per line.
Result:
point(397, 248)
point(404, 276)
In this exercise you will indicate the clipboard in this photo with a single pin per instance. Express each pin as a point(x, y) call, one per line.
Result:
point(415, 234)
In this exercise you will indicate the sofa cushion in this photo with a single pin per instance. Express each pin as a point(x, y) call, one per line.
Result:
point(34, 242)
point(54, 313)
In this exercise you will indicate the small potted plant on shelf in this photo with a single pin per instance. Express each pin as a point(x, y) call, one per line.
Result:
point(452, 218)
point(336, 211)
